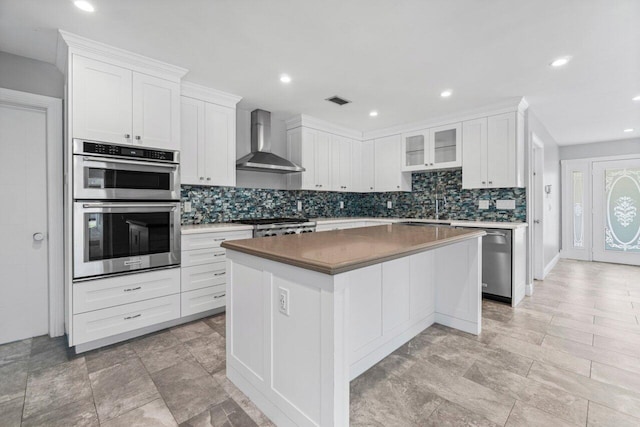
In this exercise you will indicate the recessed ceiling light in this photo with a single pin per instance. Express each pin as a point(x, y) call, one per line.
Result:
point(560, 61)
point(446, 93)
point(628, 130)
point(373, 113)
point(84, 5)
point(636, 98)
point(285, 78)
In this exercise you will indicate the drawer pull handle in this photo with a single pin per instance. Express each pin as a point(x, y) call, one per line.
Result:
point(133, 289)
point(132, 317)
point(219, 240)
point(219, 296)
point(220, 274)
point(218, 254)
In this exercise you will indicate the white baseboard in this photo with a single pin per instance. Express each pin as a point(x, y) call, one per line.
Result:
point(551, 264)
point(528, 290)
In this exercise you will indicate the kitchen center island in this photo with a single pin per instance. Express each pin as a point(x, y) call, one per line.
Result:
point(308, 313)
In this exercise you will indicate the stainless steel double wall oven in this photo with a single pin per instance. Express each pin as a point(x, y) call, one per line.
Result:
point(126, 214)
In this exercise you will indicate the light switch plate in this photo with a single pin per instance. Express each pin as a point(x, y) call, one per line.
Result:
point(389, 204)
point(187, 207)
point(341, 205)
point(505, 204)
point(483, 204)
point(299, 205)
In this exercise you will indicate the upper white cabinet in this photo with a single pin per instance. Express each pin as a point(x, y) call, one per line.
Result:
point(342, 164)
point(388, 173)
point(208, 136)
point(112, 103)
point(363, 164)
point(311, 149)
point(434, 148)
point(493, 152)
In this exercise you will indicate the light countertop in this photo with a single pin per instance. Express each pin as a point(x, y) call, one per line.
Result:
point(338, 251)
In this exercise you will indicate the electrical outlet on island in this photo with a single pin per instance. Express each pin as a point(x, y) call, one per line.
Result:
point(283, 301)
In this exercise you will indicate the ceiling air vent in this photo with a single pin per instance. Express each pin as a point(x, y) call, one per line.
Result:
point(337, 100)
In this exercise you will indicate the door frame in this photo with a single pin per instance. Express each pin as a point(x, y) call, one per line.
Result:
point(537, 208)
point(52, 107)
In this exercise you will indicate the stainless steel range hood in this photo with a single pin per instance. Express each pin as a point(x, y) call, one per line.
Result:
point(261, 159)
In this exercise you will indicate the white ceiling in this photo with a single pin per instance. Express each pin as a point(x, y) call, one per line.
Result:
point(392, 56)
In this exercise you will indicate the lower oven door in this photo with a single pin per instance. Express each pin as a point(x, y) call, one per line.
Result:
point(119, 237)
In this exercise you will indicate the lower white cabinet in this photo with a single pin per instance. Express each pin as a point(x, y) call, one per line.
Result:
point(103, 293)
point(204, 270)
point(98, 324)
point(193, 302)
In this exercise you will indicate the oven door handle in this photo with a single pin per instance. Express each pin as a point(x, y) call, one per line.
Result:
point(128, 162)
point(129, 205)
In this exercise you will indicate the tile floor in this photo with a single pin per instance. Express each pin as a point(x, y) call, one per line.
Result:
point(568, 356)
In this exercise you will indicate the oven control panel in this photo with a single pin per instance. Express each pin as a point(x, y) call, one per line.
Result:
point(102, 149)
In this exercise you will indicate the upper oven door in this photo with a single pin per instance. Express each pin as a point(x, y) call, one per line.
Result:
point(116, 237)
point(104, 178)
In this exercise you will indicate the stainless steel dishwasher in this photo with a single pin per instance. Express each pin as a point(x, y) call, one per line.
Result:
point(497, 264)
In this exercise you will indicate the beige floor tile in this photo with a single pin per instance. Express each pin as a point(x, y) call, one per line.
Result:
point(451, 415)
point(543, 354)
point(570, 334)
point(596, 354)
point(611, 396)
point(629, 347)
point(153, 414)
point(616, 376)
point(524, 415)
point(601, 416)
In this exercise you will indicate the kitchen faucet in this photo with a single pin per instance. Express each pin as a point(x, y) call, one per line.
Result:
point(440, 189)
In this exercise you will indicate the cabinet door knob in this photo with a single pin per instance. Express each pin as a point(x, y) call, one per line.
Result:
point(202, 177)
point(127, 136)
point(38, 237)
point(431, 164)
point(490, 182)
point(397, 186)
point(138, 137)
point(208, 178)
point(483, 182)
point(370, 188)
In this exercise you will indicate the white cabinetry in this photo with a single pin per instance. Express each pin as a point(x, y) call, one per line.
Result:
point(434, 148)
point(312, 149)
point(363, 164)
point(341, 164)
point(204, 271)
point(208, 140)
point(112, 103)
point(493, 152)
point(388, 173)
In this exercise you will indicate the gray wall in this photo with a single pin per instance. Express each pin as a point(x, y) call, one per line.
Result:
point(30, 75)
point(246, 179)
point(600, 149)
point(551, 207)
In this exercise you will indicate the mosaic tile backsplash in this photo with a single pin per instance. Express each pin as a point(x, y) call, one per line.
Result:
point(224, 204)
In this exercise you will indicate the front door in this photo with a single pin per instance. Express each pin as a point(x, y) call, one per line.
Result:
point(23, 223)
point(616, 211)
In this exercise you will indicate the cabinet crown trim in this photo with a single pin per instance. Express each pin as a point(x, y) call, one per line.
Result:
point(304, 120)
point(214, 96)
point(79, 44)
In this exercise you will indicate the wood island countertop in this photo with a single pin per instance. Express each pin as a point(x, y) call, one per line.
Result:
point(334, 252)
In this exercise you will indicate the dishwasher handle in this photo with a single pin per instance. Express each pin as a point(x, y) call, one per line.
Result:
point(495, 233)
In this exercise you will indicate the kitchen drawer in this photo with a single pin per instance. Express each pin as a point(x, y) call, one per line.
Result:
point(203, 299)
point(98, 324)
point(211, 240)
point(202, 276)
point(102, 293)
point(203, 256)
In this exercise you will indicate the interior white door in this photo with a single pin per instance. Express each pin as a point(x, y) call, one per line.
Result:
point(23, 224)
point(616, 211)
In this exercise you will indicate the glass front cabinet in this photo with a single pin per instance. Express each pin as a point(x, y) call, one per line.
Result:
point(435, 148)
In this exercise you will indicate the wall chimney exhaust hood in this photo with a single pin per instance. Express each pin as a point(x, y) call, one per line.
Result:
point(261, 159)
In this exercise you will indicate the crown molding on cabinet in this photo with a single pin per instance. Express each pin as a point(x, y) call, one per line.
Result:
point(303, 120)
point(214, 96)
point(514, 104)
point(69, 43)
